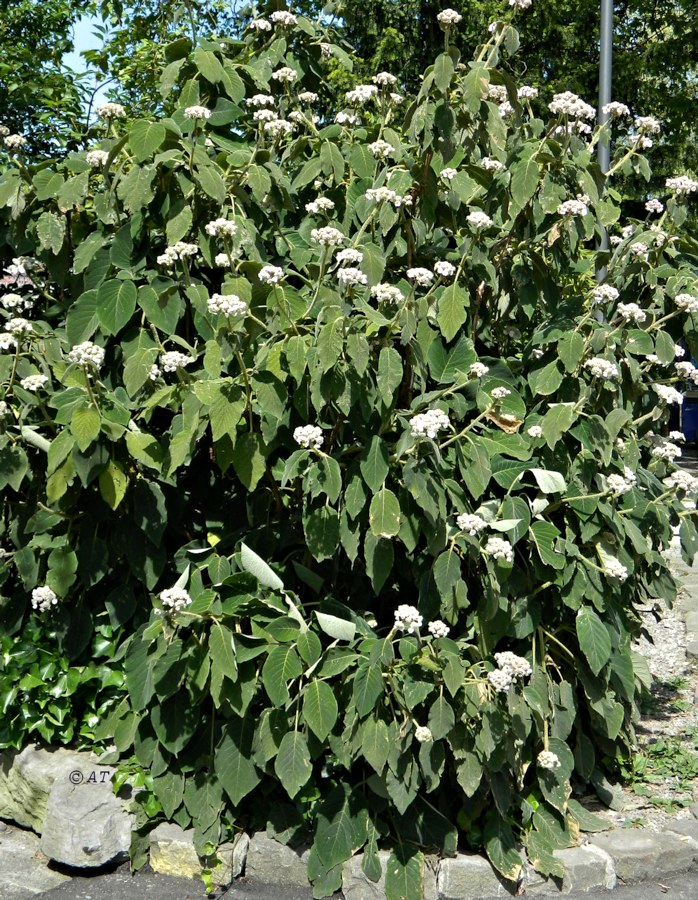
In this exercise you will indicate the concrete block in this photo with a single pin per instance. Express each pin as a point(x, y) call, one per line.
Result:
point(644, 856)
point(272, 863)
point(471, 877)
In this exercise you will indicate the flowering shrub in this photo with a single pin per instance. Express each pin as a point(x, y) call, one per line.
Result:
point(333, 418)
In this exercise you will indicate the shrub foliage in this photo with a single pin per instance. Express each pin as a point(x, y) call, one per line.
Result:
point(311, 497)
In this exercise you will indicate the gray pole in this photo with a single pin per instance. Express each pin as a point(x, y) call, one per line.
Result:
point(605, 70)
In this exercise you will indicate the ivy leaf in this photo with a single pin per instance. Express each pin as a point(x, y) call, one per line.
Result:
point(594, 639)
point(292, 763)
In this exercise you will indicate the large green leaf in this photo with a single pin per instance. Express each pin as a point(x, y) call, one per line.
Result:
point(544, 534)
point(319, 708)
point(175, 722)
point(235, 769)
point(453, 303)
point(116, 303)
point(404, 874)
point(292, 763)
point(368, 687)
point(342, 826)
point(524, 176)
point(384, 514)
point(594, 639)
point(282, 665)
point(145, 138)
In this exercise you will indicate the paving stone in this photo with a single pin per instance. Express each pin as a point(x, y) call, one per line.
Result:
point(645, 856)
point(692, 623)
point(587, 869)
point(471, 877)
point(273, 863)
point(692, 649)
point(24, 870)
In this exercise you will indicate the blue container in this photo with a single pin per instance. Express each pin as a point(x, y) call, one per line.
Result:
point(689, 419)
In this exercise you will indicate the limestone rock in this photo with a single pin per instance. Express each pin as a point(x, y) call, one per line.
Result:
point(471, 877)
point(272, 863)
point(644, 856)
point(587, 869)
point(26, 779)
point(85, 824)
point(357, 886)
point(172, 853)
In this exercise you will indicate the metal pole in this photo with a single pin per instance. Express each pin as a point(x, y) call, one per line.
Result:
point(605, 81)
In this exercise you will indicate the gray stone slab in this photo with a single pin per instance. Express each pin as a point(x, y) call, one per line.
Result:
point(357, 886)
point(587, 869)
point(645, 856)
point(692, 649)
point(24, 871)
point(270, 862)
point(471, 877)
point(172, 853)
point(685, 827)
point(692, 623)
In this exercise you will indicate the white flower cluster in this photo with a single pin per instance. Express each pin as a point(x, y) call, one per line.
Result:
point(511, 668)
point(175, 599)
point(387, 293)
point(614, 569)
point(423, 277)
point(221, 228)
point(15, 301)
point(381, 149)
point(668, 395)
point(172, 360)
point(407, 618)
point(677, 436)
point(647, 125)
point(384, 79)
point(7, 342)
point(578, 207)
point(497, 92)
point(265, 115)
point(666, 450)
point(154, 372)
point(438, 629)
point(687, 370)
point(180, 250)
point(18, 325)
point(270, 274)
point(308, 436)
point(96, 158)
point(308, 97)
point(429, 423)
point(349, 276)
point(345, 118)
point(423, 734)
point(478, 220)
point(492, 165)
point(362, 93)
point(258, 100)
point(499, 393)
point(111, 111)
point(499, 548)
point(87, 354)
point(639, 249)
point(283, 18)
point(520, 4)
point(471, 524)
point(615, 110)
point(228, 304)
point(601, 368)
point(654, 206)
point(448, 174)
point(478, 369)
point(34, 382)
point(535, 431)
point(682, 185)
point(43, 598)
point(682, 481)
point(386, 195)
point(444, 269)
point(197, 112)
point(350, 255)
point(285, 75)
point(569, 104)
point(327, 236)
point(686, 302)
point(621, 484)
point(14, 141)
point(525, 92)
point(631, 312)
point(260, 25)
point(222, 260)
point(548, 760)
point(279, 128)
point(448, 17)
point(322, 204)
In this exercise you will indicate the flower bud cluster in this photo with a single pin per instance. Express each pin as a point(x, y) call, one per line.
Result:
point(197, 112)
point(448, 17)
point(429, 423)
point(682, 481)
point(604, 293)
point(349, 276)
point(601, 368)
point(576, 207)
point(327, 236)
point(668, 395)
point(322, 204)
point(548, 760)
point(499, 393)
point(34, 382)
point(569, 104)
point(470, 523)
point(621, 484)
point(270, 274)
point(438, 629)
point(175, 599)
point(221, 228)
point(180, 250)
point(631, 312)
point(308, 436)
point(499, 548)
point(478, 220)
point(511, 668)
point(407, 618)
point(386, 195)
point(423, 277)
point(682, 185)
point(350, 255)
point(387, 293)
point(615, 110)
point(381, 149)
point(173, 360)
point(15, 301)
point(96, 158)
point(87, 354)
point(362, 93)
point(666, 450)
point(614, 569)
point(111, 111)
point(43, 598)
point(686, 302)
point(285, 75)
point(535, 431)
point(423, 734)
point(18, 325)
point(227, 304)
point(478, 369)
